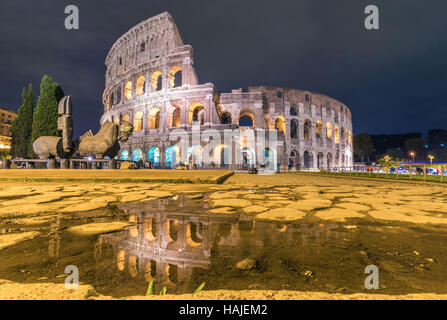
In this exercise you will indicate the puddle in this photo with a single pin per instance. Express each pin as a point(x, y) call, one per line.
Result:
point(179, 245)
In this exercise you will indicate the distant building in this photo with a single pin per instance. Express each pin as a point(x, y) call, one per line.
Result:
point(6, 118)
point(437, 138)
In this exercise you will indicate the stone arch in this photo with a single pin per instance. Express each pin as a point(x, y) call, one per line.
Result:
point(336, 135)
point(320, 160)
point(328, 130)
point(294, 129)
point(137, 154)
point(175, 77)
point(140, 86)
point(306, 129)
point(153, 155)
point(195, 155)
point(174, 116)
point(121, 260)
point(295, 157)
point(246, 118)
point(329, 160)
point(172, 156)
point(194, 112)
point(222, 155)
point(128, 90)
point(307, 159)
point(269, 123)
point(342, 135)
point(124, 154)
point(318, 128)
point(138, 121)
point(154, 118)
point(269, 156)
point(248, 156)
point(226, 117)
point(280, 124)
point(156, 80)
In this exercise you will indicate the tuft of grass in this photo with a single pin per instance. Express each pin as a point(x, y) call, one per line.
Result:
point(200, 288)
point(163, 291)
point(150, 289)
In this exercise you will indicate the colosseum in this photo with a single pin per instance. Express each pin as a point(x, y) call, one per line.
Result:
point(151, 82)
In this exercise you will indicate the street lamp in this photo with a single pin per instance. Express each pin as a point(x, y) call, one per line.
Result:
point(431, 158)
point(412, 154)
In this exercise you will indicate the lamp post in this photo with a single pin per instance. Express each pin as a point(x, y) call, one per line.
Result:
point(412, 154)
point(431, 159)
point(387, 158)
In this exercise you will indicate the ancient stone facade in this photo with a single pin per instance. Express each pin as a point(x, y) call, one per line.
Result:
point(151, 82)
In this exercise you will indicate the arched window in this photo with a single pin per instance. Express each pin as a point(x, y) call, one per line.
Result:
point(194, 111)
point(128, 90)
point(124, 154)
point(293, 111)
point(153, 156)
point(294, 129)
point(306, 129)
point(246, 118)
point(175, 77)
point(280, 124)
point(342, 136)
point(141, 84)
point(154, 118)
point(226, 118)
point(176, 118)
point(142, 46)
point(328, 130)
point(156, 80)
point(318, 128)
point(138, 121)
point(137, 155)
point(306, 159)
point(336, 135)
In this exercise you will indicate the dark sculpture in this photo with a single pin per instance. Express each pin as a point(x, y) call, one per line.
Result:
point(106, 141)
point(51, 146)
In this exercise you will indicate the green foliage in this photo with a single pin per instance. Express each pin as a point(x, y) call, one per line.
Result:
point(150, 289)
point(45, 115)
point(200, 288)
point(363, 145)
point(163, 291)
point(22, 125)
point(416, 145)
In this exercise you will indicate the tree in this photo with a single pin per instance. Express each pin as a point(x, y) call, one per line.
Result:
point(22, 125)
point(363, 145)
point(416, 145)
point(45, 116)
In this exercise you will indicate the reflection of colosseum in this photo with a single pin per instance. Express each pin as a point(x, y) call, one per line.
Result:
point(151, 81)
point(169, 242)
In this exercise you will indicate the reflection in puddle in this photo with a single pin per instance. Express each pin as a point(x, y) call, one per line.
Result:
point(171, 241)
point(178, 244)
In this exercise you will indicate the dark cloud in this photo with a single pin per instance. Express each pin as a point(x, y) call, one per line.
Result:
point(393, 79)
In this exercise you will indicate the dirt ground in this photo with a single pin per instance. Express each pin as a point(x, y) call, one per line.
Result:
point(386, 207)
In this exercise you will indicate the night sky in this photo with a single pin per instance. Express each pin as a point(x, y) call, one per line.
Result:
point(394, 80)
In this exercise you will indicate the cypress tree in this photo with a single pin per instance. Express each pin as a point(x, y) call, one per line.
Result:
point(22, 125)
point(45, 116)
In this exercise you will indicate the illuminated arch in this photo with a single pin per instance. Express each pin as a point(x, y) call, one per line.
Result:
point(138, 121)
point(172, 155)
point(328, 130)
point(154, 118)
point(280, 124)
point(318, 128)
point(156, 80)
point(117, 121)
point(128, 90)
point(137, 155)
point(153, 155)
point(246, 118)
point(133, 266)
point(226, 117)
point(124, 155)
point(140, 87)
point(193, 112)
point(175, 77)
point(336, 135)
point(195, 155)
point(174, 117)
point(121, 260)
